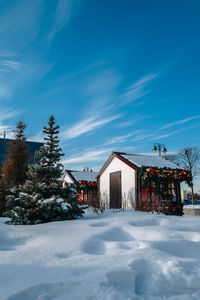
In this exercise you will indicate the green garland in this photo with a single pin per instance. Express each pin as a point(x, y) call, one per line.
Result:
point(159, 175)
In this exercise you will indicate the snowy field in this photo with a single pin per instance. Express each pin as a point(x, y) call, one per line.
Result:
point(123, 255)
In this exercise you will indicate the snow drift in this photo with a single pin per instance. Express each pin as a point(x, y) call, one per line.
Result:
point(123, 255)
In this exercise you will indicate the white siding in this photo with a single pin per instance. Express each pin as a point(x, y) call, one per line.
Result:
point(67, 179)
point(127, 183)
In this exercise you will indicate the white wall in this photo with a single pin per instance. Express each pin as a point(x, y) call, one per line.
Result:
point(127, 183)
point(67, 179)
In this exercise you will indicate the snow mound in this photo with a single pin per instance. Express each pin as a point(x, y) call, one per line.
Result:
point(94, 246)
point(116, 235)
point(8, 242)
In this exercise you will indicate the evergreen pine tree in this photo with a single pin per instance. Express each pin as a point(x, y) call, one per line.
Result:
point(16, 164)
point(43, 198)
point(50, 155)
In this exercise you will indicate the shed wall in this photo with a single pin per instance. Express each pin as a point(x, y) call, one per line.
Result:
point(67, 179)
point(127, 183)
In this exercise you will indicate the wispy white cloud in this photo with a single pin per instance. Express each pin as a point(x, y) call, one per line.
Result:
point(180, 122)
point(20, 65)
point(14, 76)
point(156, 137)
point(142, 137)
point(165, 135)
point(7, 53)
point(87, 156)
point(38, 137)
point(145, 136)
point(138, 89)
point(98, 154)
point(19, 19)
point(5, 117)
point(7, 114)
point(100, 90)
point(4, 91)
point(86, 125)
point(173, 132)
point(125, 124)
point(118, 139)
point(9, 65)
point(62, 16)
point(146, 80)
point(103, 82)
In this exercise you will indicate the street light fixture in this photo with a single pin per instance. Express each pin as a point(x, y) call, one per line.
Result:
point(160, 148)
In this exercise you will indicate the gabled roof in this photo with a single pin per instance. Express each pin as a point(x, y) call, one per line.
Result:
point(137, 161)
point(82, 175)
point(149, 161)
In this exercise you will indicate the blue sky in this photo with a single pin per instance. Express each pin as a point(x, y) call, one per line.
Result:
point(117, 75)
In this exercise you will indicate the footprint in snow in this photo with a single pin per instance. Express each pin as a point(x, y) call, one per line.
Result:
point(8, 243)
point(141, 223)
point(124, 247)
point(94, 246)
point(62, 255)
point(121, 279)
point(179, 248)
point(116, 235)
point(99, 224)
point(57, 290)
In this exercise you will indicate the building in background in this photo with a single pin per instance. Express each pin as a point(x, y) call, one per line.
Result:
point(86, 183)
point(32, 148)
point(184, 195)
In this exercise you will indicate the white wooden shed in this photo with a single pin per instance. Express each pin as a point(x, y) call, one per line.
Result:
point(119, 186)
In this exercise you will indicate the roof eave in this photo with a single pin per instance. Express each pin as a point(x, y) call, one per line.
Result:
point(109, 159)
point(126, 161)
point(117, 155)
point(70, 175)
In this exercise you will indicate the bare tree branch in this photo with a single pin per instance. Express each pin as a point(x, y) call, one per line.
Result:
point(187, 158)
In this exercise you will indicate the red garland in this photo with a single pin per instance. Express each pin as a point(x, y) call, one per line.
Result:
point(177, 174)
point(88, 183)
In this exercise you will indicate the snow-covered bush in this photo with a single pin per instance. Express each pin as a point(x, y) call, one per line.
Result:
point(32, 207)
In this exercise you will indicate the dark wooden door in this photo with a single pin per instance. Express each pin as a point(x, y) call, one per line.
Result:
point(115, 190)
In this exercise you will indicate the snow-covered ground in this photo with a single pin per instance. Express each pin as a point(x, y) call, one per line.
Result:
point(123, 255)
point(194, 206)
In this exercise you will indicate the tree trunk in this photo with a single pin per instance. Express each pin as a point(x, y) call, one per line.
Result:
point(192, 190)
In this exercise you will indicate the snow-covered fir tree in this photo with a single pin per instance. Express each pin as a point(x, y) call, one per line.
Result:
point(43, 198)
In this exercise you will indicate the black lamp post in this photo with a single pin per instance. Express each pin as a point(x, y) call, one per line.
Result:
point(160, 148)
